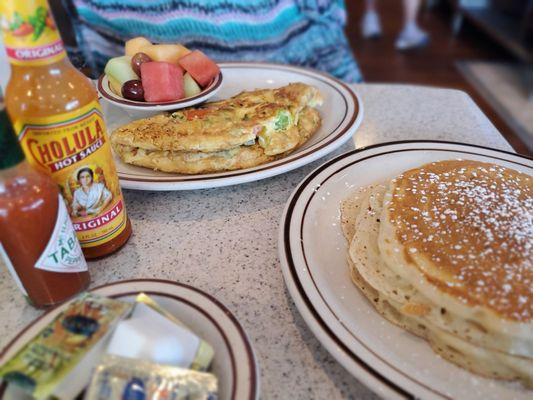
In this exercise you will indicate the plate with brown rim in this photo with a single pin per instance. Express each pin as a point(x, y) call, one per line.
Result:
point(342, 113)
point(234, 362)
point(312, 249)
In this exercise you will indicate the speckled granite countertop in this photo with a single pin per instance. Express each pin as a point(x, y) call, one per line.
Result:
point(224, 241)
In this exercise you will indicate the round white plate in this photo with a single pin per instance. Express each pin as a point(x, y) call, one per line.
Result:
point(313, 252)
point(341, 113)
point(234, 363)
point(108, 95)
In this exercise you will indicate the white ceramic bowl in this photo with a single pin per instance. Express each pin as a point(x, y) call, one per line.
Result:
point(107, 94)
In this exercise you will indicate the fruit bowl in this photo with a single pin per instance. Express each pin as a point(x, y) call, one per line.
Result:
point(107, 94)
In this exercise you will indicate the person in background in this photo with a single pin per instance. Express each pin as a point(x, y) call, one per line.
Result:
point(411, 36)
point(307, 33)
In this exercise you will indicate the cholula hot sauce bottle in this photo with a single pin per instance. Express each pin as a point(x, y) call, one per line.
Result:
point(58, 120)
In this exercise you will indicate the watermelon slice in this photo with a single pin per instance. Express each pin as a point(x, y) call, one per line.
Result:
point(201, 67)
point(162, 81)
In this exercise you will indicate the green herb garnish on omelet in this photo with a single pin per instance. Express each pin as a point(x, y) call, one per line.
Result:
point(283, 121)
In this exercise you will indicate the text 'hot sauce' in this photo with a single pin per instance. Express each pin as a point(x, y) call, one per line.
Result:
point(59, 124)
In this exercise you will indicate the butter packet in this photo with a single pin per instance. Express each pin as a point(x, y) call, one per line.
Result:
point(153, 334)
point(118, 378)
point(57, 362)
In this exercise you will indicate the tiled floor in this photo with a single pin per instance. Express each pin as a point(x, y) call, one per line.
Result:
point(433, 65)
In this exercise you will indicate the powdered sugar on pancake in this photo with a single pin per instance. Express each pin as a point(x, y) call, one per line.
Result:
point(474, 222)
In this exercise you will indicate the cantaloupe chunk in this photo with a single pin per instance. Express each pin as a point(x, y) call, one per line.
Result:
point(170, 53)
point(134, 45)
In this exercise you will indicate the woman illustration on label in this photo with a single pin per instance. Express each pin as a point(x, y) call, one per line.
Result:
point(91, 197)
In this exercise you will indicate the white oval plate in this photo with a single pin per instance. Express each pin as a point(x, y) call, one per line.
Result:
point(107, 94)
point(313, 251)
point(341, 113)
point(234, 363)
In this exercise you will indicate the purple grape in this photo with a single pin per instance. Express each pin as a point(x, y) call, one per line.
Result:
point(137, 60)
point(133, 90)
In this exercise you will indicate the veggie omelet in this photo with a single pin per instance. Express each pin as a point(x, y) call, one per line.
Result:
point(246, 130)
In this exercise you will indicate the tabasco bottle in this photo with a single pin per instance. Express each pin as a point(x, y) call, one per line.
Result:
point(58, 120)
point(37, 240)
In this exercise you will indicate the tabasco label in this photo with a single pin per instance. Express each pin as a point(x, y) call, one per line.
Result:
point(63, 252)
point(30, 33)
point(74, 149)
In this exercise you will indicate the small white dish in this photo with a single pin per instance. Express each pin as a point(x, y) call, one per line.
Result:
point(313, 250)
point(342, 113)
point(234, 363)
point(108, 95)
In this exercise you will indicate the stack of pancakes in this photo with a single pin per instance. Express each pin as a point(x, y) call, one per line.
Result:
point(446, 251)
point(246, 130)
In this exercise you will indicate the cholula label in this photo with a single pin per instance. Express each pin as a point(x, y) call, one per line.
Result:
point(74, 149)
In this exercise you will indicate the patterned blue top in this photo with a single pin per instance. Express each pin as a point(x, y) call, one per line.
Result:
point(299, 32)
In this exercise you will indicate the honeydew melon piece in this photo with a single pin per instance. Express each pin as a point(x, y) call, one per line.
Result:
point(119, 71)
point(115, 86)
point(190, 86)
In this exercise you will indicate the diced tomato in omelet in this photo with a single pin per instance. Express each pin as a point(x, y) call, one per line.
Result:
point(200, 67)
point(162, 81)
